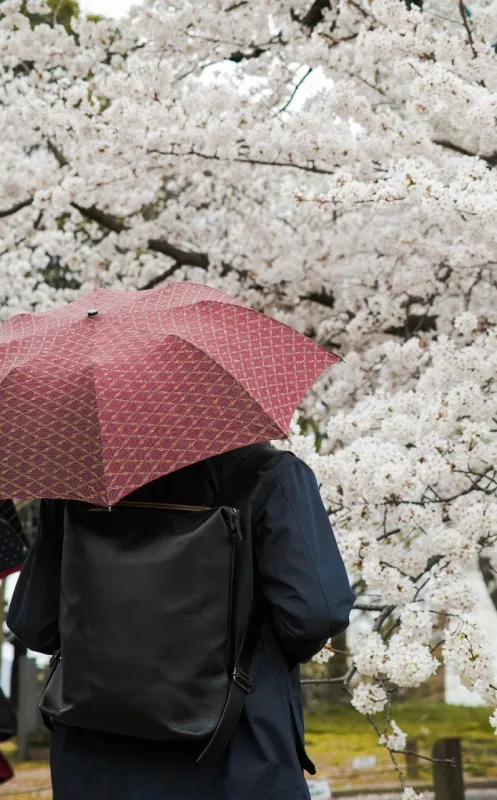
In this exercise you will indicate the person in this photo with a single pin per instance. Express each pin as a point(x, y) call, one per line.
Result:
point(308, 599)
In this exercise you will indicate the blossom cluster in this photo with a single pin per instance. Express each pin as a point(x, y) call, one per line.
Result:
point(408, 475)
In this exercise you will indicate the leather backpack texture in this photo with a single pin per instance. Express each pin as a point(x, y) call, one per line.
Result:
point(147, 623)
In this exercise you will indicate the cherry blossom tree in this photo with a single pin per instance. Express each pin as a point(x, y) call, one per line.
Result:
point(334, 165)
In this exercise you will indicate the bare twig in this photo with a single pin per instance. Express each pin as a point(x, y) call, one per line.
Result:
point(341, 679)
point(462, 11)
point(253, 161)
point(295, 90)
point(424, 758)
point(382, 618)
point(387, 534)
point(236, 5)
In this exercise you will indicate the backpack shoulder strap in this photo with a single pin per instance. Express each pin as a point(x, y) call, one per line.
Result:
point(245, 473)
point(241, 683)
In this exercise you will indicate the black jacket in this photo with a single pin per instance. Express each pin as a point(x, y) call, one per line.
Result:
point(303, 578)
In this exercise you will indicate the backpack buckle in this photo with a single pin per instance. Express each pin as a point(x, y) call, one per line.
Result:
point(242, 680)
point(54, 659)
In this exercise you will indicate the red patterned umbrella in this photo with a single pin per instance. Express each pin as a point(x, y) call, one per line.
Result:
point(105, 394)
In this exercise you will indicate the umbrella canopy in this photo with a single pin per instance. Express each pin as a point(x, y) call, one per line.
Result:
point(107, 393)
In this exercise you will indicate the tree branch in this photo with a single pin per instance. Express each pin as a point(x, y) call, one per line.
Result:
point(413, 324)
point(159, 278)
point(381, 619)
point(183, 257)
point(322, 298)
point(323, 680)
point(236, 5)
point(253, 161)
point(113, 223)
point(60, 158)
point(424, 758)
point(462, 11)
point(14, 209)
point(489, 578)
point(387, 534)
point(491, 160)
point(295, 90)
point(109, 221)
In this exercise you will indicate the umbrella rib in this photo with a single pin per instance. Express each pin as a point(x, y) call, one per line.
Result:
point(242, 387)
point(93, 367)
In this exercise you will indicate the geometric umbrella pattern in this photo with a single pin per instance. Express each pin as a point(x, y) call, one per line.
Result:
point(115, 389)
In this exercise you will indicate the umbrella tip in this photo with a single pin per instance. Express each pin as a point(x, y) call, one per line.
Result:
point(92, 312)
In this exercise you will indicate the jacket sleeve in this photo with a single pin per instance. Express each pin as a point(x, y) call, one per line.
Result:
point(301, 570)
point(33, 614)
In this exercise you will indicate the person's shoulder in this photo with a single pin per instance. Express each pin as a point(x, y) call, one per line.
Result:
point(260, 465)
point(284, 477)
point(283, 461)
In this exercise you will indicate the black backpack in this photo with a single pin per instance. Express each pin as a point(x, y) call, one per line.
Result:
point(148, 621)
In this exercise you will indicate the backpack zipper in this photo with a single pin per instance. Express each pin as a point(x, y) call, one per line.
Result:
point(137, 504)
point(232, 517)
point(235, 525)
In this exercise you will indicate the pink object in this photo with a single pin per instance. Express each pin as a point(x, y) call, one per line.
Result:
point(102, 395)
point(6, 771)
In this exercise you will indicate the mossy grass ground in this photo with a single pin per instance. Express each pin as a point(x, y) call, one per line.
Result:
point(337, 735)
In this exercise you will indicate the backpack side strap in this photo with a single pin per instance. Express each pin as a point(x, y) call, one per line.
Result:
point(241, 682)
point(241, 685)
